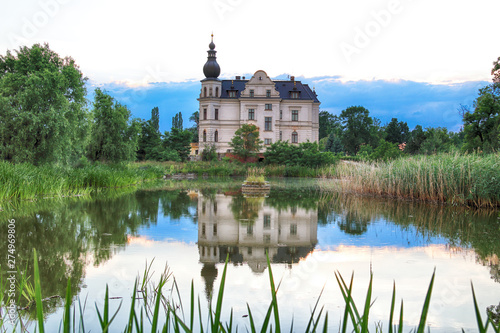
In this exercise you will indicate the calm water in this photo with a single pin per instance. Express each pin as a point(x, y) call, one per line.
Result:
point(191, 227)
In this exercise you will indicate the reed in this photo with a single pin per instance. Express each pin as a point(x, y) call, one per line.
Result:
point(456, 179)
point(175, 321)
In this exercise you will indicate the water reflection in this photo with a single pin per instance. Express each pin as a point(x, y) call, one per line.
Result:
point(74, 235)
point(245, 228)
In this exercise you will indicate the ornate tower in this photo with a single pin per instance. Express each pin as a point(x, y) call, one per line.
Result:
point(211, 89)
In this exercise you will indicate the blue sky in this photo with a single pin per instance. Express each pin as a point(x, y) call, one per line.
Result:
point(416, 60)
point(417, 103)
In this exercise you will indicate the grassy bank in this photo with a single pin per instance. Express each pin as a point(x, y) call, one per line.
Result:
point(28, 182)
point(472, 180)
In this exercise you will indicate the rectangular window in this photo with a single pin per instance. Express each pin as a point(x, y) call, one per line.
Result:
point(252, 93)
point(269, 106)
point(251, 114)
point(268, 123)
point(268, 141)
point(293, 229)
point(267, 222)
point(232, 94)
point(216, 114)
point(268, 93)
point(295, 115)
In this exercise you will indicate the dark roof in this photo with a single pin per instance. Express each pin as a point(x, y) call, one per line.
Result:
point(283, 87)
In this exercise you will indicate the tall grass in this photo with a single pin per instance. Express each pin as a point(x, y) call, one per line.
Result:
point(353, 320)
point(29, 182)
point(455, 179)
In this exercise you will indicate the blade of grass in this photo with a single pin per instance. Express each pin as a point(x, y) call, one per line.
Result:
point(425, 309)
point(38, 294)
point(218, 307)
point(67, 306)
point(273, 294)
point(366, 312)
point(482, 328)
point(393, 301)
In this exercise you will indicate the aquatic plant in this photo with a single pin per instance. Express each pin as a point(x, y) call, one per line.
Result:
point(154, 301)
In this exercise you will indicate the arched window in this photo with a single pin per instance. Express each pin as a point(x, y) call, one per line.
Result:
point(216, 136)
point(204, 135)
point(205, 92)
point(216, 91)
point(295, 137)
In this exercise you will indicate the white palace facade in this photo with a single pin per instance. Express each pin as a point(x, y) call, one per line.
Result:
point(286, 110)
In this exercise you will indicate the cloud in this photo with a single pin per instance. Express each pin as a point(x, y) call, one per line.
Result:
point(417, 103)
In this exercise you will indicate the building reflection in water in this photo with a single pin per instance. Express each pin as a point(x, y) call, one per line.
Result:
point(245, 228)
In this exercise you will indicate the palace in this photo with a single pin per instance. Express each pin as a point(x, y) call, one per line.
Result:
point(286, 110)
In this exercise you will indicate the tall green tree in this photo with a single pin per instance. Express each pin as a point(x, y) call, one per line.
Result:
point(150, 140)
point(416, 138)
point(43, 115)
point(357, 128)
point(177, 121)
point(397, 131)
point(195, 118)
point(329, 123)
point(246, 142)
point(179, 141)
point(482, 125)
point(114, 135)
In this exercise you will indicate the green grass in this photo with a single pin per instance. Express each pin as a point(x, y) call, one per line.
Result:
point(154, 302)
point(456, 179)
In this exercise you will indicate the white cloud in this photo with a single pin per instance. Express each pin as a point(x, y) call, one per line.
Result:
point(112, 40)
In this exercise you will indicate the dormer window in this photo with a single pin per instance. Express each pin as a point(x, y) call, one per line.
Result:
point(252, 93)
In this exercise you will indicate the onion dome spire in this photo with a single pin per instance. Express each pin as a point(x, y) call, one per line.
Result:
point(211, 68)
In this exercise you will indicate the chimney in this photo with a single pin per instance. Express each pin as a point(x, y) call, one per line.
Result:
point(292, 78)
point(238, 77)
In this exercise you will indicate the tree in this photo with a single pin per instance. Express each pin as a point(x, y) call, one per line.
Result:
point(329, 123)
point(246, 142)
point(357, 125)
point(195, 117)
point(415, 140)
point(397, 132)
point(177, 121)
point(150, 139)
point(114, 136)
point(43, 118)
point(482, 126)
point(334, 144)
point(178, 140)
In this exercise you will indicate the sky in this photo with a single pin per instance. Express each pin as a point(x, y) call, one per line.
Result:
point(416, 60)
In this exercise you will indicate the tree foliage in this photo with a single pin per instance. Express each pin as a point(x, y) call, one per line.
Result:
point(43, 118)
point(177, 121)
point(357, 125)
point(246, 142)
point(114, 136)
point(482, 125)
point(397, 132)
point(305, 154)
point(150, 139)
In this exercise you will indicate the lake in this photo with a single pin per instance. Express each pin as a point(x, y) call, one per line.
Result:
point(189, 228)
